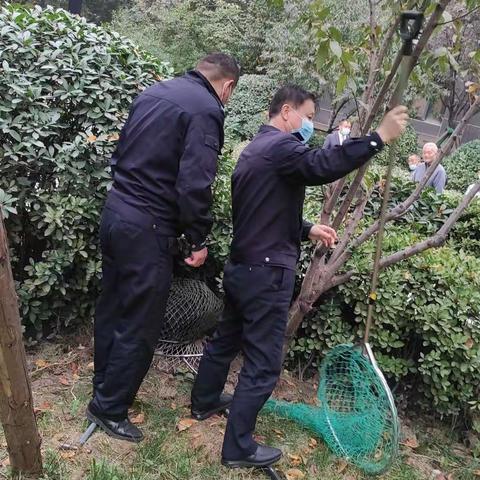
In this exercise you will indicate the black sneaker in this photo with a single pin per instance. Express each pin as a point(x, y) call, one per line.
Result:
point(222, 406)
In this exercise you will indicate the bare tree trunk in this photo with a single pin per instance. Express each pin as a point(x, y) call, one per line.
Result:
point(16, 405)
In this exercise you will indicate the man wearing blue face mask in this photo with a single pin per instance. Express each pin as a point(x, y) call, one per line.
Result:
point(338, 136)
point(268, 190)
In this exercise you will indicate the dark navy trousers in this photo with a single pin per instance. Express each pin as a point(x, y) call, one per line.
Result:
point(137, 268)
point(257, 299)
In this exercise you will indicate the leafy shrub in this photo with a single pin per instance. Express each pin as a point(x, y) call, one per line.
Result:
point(65, 90)
point(248, 107)
point(463, 166)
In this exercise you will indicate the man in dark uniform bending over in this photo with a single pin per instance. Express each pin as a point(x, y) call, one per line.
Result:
point(268, 189)
point(163, 168)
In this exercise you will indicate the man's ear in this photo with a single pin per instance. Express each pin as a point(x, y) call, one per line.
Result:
point(228, 86)
point(285, 111)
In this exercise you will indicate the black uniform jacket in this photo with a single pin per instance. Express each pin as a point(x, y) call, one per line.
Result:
point(166, 159)
point(268, 190)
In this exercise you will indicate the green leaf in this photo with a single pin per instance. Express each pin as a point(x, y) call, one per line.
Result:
point(446, 17)
point(335, 48)
point(341, 82)
point(322, 55)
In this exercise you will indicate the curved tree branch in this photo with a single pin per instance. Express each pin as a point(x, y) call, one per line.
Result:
point(434, 241)
point(473, 10)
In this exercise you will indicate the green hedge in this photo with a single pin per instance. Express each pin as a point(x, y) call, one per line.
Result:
point(427, 320)
point(426, 335)
point(65, 90)
point(463, 166)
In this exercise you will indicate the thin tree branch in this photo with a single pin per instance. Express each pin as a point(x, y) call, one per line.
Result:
point(434, 241)
point(352, 225)
point(460, 17)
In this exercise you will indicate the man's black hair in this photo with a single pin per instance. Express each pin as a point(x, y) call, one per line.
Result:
point(291, 94)
point(219, 66)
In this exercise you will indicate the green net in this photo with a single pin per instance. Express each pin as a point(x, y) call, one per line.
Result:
point(356, 415)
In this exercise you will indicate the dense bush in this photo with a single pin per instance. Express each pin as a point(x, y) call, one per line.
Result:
point(427, 322)
point(96, 11)
point(463, 166)
point(65, 90)
point(248, 107)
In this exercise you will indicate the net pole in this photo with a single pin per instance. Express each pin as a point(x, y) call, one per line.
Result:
point(410, 26)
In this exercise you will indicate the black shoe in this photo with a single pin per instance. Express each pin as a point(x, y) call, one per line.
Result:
point(221, 407)
point(263, 457)
point(120, 429)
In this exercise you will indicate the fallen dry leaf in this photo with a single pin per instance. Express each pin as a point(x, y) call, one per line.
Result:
point(288, 381)
point(476, 473)
point(67, 446)
point(295, 460)
point(312, 443)
point(68, 454)
point(294, 474)
point(90, 366)
point(278, 432)
point(41, 363)
point(313, 470)
point(185, 424)
point(44, 406)
point(138, 419)
point(173, 406)
point(341, 465)
point(411, 442)
point(197, 441)
point(64, 381)
point(91, 138)
point(114, 137)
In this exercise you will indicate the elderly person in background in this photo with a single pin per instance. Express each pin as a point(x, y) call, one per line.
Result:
point(413, 161)
point(439, 178)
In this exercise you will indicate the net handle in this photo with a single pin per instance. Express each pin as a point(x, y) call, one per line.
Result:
point(410, 25)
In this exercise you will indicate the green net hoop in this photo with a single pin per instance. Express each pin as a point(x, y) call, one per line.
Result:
point(356, 416)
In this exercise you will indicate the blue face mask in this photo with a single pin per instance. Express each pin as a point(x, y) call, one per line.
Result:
point(305, 132)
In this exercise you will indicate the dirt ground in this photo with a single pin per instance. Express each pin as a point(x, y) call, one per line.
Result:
point(61, 384)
